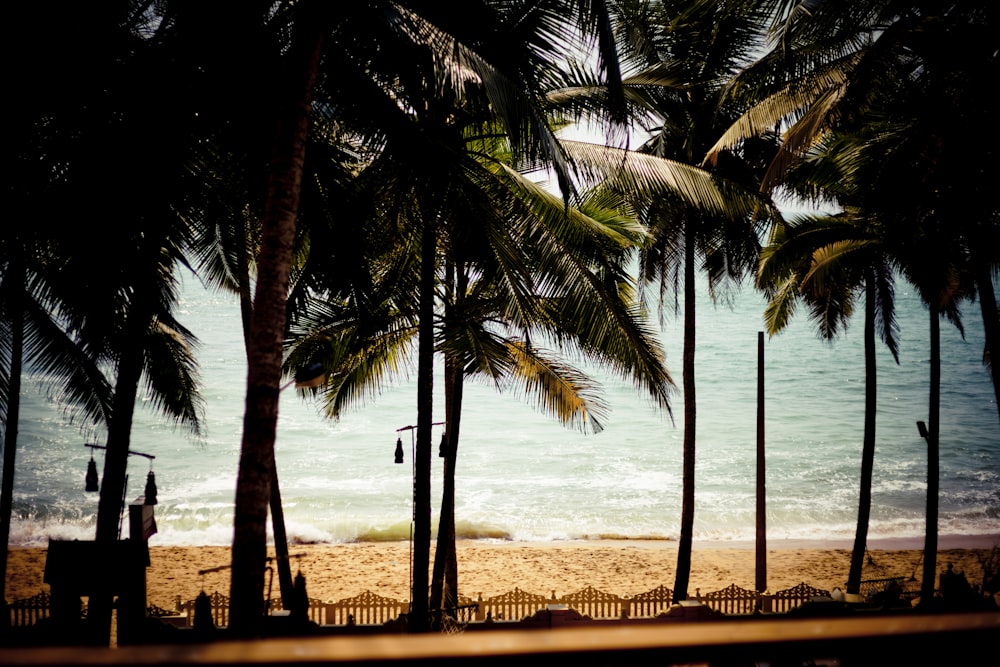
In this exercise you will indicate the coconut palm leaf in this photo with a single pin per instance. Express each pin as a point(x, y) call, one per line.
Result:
point(559, 389)
point(646, 177)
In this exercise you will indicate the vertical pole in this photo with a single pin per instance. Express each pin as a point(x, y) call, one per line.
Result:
point(761, 504)
point(134, 553)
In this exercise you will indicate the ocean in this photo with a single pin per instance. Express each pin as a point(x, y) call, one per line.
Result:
point(522, 476)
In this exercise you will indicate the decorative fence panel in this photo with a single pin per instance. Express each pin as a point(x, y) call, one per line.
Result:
point(316, 611)
point(595, 604)
point(512, 606)
point(365, 609)
point(651, 603)
point(371, 609)
point(790, 598)
point(28, 611)
point(731, 600)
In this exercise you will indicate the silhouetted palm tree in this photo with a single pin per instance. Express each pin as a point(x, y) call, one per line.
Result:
point(917, 73)
point(32, 334)
point(378, 54)
point(110, 280)
point(684, 54)
point(529, 270)
point(838, 66)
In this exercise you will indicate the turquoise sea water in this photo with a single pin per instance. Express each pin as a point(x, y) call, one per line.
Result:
point(522, 476)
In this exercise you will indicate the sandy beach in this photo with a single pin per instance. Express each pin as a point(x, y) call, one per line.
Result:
point(335, 572)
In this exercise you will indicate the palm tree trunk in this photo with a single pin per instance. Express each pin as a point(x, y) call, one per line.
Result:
point(267, 331)
point(868, 445)
point(282, 561)
point(419, 610)
point(113, 479)
point(444, 582)
point(445, 525)
point(933, 464)
point(16, 280)
point(285, 583)
point(685, 543)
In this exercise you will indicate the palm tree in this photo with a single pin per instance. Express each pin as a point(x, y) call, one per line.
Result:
point(113, 291)
point(685, 53)
point(841, 260)
point(930, 264)
point(124, 320)
point(35, 336)
point(829, 261)
point(267, 326)
point(824, 261)
point(575, 298)
point(834, 65)
point(925, 67)
point(227, 234)
point(357, 30)
point(527, 266)
point(938, 262)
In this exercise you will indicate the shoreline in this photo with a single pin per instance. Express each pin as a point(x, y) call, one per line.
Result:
point(493, 567)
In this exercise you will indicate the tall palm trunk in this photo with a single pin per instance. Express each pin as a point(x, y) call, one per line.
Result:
point(933, 462)
point(419, 609)
point(282, 560)
point(684, 545)
point(285, 583)
point(267, 331)
point(868, 445)
point(16, 278)
point(444, 582)
point(113, 479)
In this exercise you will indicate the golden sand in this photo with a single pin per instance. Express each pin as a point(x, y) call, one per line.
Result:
point(335, 572)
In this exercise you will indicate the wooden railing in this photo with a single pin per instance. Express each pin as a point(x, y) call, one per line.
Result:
point(371, 609)
point(31, 610)
point(365, 609)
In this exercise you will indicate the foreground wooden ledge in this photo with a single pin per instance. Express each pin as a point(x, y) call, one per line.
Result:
point(852, 641)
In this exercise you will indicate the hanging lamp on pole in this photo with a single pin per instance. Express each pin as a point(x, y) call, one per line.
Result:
point(92, 485)
point(150, 493)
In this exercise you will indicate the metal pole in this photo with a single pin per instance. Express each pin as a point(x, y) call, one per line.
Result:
point(412, 428)
point(761, 503)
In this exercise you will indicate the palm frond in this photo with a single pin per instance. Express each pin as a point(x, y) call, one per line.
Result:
point(646, 176)
point(52, 353)
point(559, 389)
point(171, 372)
point(781, 306)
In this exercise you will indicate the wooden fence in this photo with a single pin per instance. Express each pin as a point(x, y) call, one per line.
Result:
point(371, 609)
point(368, 608)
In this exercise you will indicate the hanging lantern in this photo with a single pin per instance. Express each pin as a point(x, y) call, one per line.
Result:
point(92, 485)
point(399, 450)
point(150, 494)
